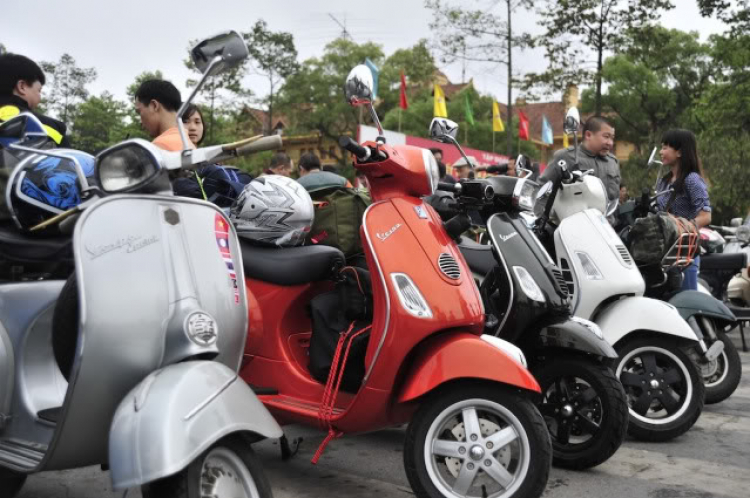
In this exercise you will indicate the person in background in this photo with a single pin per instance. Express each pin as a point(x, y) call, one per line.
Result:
point(21, 82)
point(461, 169)
point(312, 177)
point(438, 153)
point(157, 103)
point(689, 197)
point(281, 164)
point(443, 171)
point(623, 193)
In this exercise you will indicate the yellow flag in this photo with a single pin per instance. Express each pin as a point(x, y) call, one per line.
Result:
point(440, 110)
point(497, 121)
point(565, 140)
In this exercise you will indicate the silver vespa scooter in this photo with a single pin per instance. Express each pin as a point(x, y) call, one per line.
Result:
point(158, 317)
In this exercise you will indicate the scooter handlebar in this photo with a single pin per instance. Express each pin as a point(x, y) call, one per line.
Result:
point(359, 151)
point(272, 142)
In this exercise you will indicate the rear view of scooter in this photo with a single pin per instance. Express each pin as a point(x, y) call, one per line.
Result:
point(132, 363)
point(664, 386)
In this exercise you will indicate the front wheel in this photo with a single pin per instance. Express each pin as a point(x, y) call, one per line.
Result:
point(664, 387)
point(10, 483)
point(586, 411)
point(474, 440)
point(722, 375)
point(229, 469)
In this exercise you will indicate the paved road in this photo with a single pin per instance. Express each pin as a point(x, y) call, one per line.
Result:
point(712, 460)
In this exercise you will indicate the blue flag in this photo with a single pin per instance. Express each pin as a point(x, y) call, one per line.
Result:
point(547, 136)
point(375, 72)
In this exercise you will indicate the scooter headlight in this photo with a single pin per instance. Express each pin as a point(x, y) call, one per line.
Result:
point(525, 194)
point(410, 297)
point(127, 166)
point(528, 284)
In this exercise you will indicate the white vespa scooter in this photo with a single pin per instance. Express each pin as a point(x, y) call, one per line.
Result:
point(664, 386)
point(158, 325)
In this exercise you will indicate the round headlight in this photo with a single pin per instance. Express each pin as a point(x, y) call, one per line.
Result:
point(126, 166)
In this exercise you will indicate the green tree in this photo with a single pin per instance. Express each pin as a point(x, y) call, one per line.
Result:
point(483, 34)
point(273, 56)
point(99, 123)
point(579, 30)
point(419, 69)
point(735, 13)
point(66, 83)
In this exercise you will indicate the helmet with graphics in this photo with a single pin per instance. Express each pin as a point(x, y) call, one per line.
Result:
point(273, 210)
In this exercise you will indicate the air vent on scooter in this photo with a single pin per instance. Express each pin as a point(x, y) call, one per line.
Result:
point(560, 281)
point(449, 266)
point(624, 254)
point(567, 275)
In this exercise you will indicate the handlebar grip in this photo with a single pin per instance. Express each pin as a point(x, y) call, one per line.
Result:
point(272, 142)
point(359, 151)
point(497, 168)
point(449, 187)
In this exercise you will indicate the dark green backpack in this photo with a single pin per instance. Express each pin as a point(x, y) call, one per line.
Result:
point(338, 216)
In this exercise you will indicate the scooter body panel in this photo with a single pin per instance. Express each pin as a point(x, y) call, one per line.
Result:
point(694, 303)
point(631, 314)
point(578, 336)
point(141, 307)
point(585, 239)
point(177, 413)
point(456, 356)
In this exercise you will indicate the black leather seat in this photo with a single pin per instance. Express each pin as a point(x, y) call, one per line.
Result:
point(478, 256)
point(20, 248)
point(290, 265)
point(733, 261)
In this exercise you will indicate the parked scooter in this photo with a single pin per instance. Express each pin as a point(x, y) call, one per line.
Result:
point(663, 384)
point(524, 292)
point(473, 427)
point(152, 323)
point(706, 315)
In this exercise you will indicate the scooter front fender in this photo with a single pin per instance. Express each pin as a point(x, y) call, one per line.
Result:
point(632, 314)
point(177, 413)
point(462, 355)
point(694, 303)
point(576, 335)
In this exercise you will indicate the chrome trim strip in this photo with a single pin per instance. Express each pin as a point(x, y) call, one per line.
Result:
point(192, 413)
point(496, 248)
point(385, 289)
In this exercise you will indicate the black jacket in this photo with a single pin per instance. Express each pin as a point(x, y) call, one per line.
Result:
point(23, 106)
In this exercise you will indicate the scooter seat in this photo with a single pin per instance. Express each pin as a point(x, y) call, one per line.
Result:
point(290, 265)
point(741, 313)
point(478, 256)
point(21, 248)
point(734, 261)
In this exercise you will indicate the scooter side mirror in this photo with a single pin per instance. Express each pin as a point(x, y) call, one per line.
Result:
point(219, 53)
point(736, 222)
point(359, 85)
point(572, 121)
point(441, 128)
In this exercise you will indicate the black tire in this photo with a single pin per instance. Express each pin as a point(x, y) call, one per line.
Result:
point(65, 326)
point(521, 457)
point(676, 387)
point(586, 411)
point(723, 375)
point(191, 482)
point(10, 483)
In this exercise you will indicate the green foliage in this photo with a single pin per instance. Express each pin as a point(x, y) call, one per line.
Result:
point(99, 122)
point(735, 13)
point(66, 86)
point(578, 31)
point(419, 69)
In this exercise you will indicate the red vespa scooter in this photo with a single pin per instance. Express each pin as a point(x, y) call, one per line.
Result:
point(473, 429)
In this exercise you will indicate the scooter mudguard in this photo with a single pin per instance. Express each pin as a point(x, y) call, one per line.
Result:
point(177, 413)
point(465, 356)
point(694, 303)
point(578, 335)
point(633, 314)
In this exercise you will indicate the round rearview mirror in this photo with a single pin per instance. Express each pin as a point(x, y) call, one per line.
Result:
point(219, 53)
point(359, 85)
point(572, 120)
point(441, 128)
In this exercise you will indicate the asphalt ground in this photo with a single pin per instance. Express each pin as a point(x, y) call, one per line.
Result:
point(711, 460)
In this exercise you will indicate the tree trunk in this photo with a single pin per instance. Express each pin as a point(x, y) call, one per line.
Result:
point(508, 130)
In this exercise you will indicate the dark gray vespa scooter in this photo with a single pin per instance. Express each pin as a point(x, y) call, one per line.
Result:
point(158, 316)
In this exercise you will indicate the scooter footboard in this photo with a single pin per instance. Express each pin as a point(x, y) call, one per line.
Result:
point(465, 356)
point(177, 413)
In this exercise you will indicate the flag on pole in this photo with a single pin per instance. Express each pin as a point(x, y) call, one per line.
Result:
point(440, 110)
point(497, 121)
point(469, 111)
point(403, 104)
point(375, 72)
point(547, 136)
point(565, 140)
point(523, 126)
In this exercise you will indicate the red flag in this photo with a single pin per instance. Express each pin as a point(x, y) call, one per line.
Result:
point(403, 104)
point(523, 126)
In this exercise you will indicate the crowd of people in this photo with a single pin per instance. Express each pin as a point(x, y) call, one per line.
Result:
point(158, 101)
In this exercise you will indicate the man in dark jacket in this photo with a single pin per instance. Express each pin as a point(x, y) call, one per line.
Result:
point(312, 177)
point(21, 82)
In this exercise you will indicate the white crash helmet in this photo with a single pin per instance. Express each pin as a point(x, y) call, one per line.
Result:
point(274, 210)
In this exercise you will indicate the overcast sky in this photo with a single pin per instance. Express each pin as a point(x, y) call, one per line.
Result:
point(124, 38)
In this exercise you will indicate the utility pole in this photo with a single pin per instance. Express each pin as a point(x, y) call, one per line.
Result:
point(508, 129)
point(344, 32)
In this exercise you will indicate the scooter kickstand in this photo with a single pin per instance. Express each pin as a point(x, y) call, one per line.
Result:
point(286, 449)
